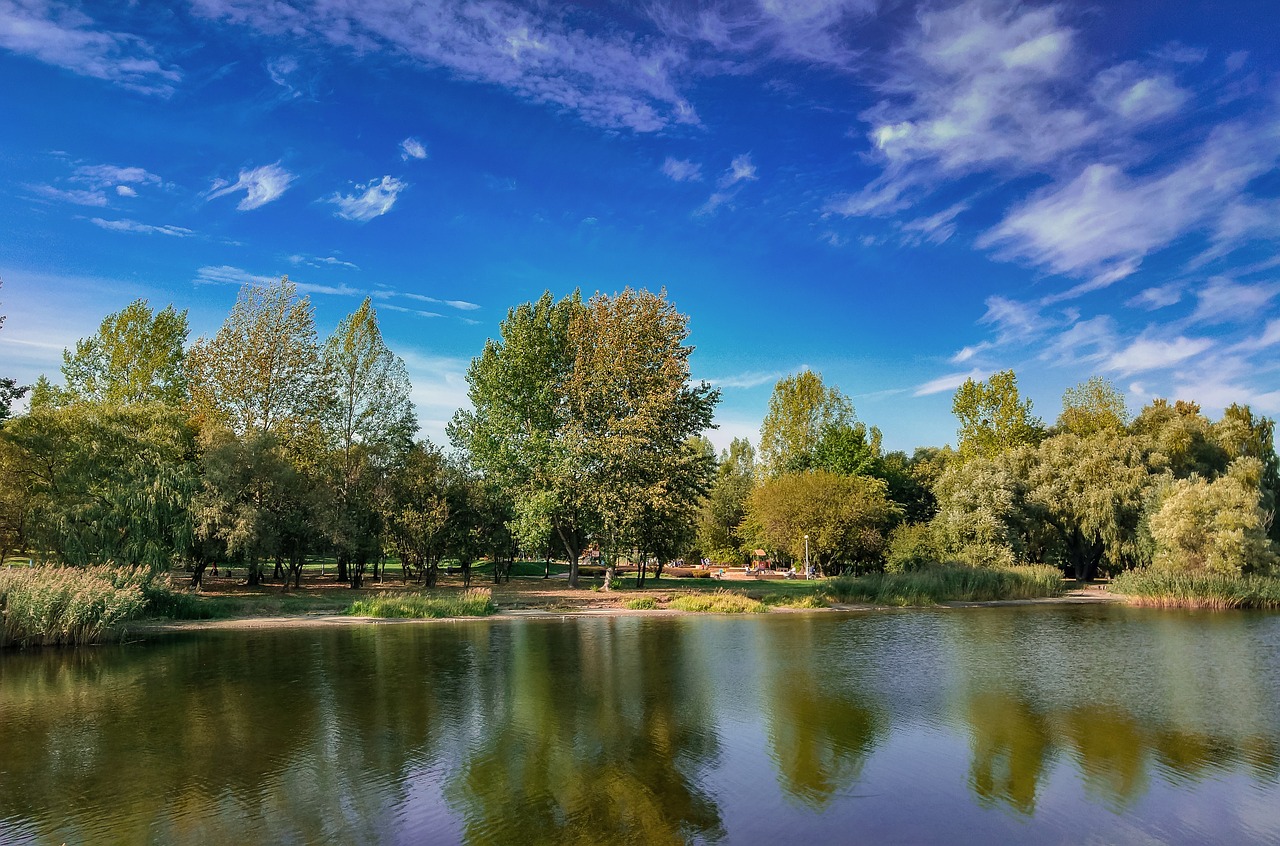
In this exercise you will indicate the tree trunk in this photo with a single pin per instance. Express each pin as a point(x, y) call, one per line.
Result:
point(466, 574)
point(255, 572)
point(342, 567)
point(279, 573)
point(432, 573)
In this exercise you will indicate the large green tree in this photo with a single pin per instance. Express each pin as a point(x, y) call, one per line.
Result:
point(800, 409)
point(369, 423)
point(726, 503)
point(1092, 406)
point(844, 517)
point(633, 415)
point(136, 356)
point(260, 372)
point(994, 417)
point(515, 432)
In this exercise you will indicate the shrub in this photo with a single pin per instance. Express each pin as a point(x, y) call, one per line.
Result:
point(949, 584)
point(719, 602)
point(911, 547)
point(476, 602)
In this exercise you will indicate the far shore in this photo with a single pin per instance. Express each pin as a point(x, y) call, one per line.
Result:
point(1085, 596)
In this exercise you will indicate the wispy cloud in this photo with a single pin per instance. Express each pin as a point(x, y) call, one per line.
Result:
point(741, 169)
point(609, 79)
point(414, 311)
point(281, 69)
point(1225, 301)
point(949, 382)
point(750, 379)
point(682, 170)
point(322, 261)
point(227, 275)
point(126, 225)
point(1149, 353)
point(105, 175)
point(261, 185)
point(65, 37)
point(412, 148)
point(372, 199)
point(462, 305)
point(79, 196)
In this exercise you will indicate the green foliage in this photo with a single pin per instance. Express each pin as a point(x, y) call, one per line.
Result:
point(260, 372)
point(474, 602)
point(1093, 406)
point(1170, 589)
point(800, 408)
point(911, 547)
point(983, 517)
point(726, 504)
point(1183, 436)
point(993, 417)
point(933, 585)
point(10, 390)
point(640, 603)
point(847, 449)
point(1214, 527)
point(136, 357)
point(845, 518)
point(720, 602)
point(56, 606)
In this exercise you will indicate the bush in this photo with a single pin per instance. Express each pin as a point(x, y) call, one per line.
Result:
point(911, 548)
point(949, 584)
point(1168, 589)
point(55, 606)
point(720, 602)
point(640, 603)
point(476, 602)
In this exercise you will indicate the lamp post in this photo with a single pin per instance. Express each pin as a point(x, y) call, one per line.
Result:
point(806, 556)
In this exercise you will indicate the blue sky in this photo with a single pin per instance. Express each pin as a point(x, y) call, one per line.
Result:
point(896, 195)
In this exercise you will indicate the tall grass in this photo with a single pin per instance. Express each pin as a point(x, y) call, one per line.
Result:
point(57, 606)
point(718, 602)
point(476, 602)
point(1163, 589)
point(640, 603)
point(949, 584)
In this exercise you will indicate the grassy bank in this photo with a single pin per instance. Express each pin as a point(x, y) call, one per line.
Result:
point(476, 602)
point(718, 602)
point(1157, 589)
point(948, 584)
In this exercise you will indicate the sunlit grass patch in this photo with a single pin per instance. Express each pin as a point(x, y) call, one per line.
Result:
point(949, 584)
point(720, 602)
point(640, 603)
point(476, 602)
point(54, 606)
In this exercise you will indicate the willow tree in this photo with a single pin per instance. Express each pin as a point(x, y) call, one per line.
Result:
point(369, 423)
point(633, 415)
point(515, 432)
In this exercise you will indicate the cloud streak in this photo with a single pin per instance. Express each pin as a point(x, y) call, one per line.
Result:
point(372, 199)
point(261, 185)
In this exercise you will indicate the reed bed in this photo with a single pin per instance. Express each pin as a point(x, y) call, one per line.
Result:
point(476, 602)
point(718, 602)
point(949, 583)
point(640, 603)
point(70, 606)
point(1162, 589)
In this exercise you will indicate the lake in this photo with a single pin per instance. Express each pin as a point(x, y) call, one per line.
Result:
point(1036, 724)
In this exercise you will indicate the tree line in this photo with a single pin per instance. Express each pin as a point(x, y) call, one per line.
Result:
point(265, 446)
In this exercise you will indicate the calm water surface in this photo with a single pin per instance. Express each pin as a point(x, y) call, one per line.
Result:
point(1061, 724)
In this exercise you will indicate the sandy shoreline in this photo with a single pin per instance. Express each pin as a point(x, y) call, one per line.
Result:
point(300, 621)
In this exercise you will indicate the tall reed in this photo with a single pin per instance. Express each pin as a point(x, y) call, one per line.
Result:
point(56, 606)
point(949, 583)
point(476, 602)
point(1164, 589)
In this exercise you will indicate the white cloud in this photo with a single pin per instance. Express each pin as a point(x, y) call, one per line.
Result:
point(414, 311)
point(1013, 320)
point(322, 261)
point(1160, 297)
point(612, 80)
point(947, 383)
point(682, 170)
point(1223, 301)
point(280, 69)
point(1138, 96)
point(461, 305)
point(1105, 219)
point(74, 195)
point(103, 176)
point(261, 185)
point(126, 191)
point(126, 225)
point(372, 199)
point(936, 228)
point(1147, 353)
point(1090, 340)
point(1269, 337)
point(67, 38)
point(412, 148)
point(751, 379)
point(227, 275)
point(740, 170)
